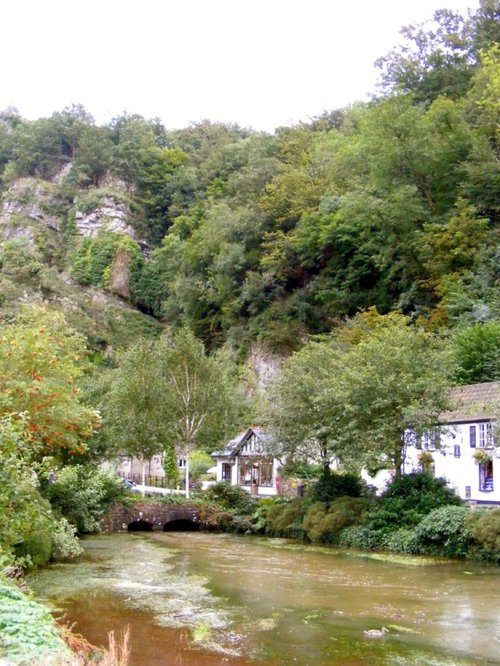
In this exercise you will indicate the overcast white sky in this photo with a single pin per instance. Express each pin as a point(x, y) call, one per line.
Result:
point(259, 63)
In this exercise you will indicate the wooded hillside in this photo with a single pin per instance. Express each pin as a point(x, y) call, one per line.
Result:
point(247, 236)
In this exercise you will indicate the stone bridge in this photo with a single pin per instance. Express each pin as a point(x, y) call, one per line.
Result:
point(156, 516)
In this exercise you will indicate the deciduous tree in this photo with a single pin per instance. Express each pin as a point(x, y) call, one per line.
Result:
point(170, 395)
point(41, 361)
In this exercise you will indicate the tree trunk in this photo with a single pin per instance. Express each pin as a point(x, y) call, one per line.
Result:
point(187, 474)
point(325, 457)
point(398, 464)
point(143, 478)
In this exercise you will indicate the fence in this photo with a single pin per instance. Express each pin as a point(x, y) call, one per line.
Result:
point(156, 481)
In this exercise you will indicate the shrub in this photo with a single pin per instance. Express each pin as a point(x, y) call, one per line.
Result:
point(324, 525)
point(445, 531)
point(313, 520)
point(285, 519)
point(83, 494)
point(261, 515)
point(230, 497)
point(361, 537)
point(65, 544)
point(36, 547)
point(484, 526)
point(408, 499)
point(27, 629)
point(332, 486)
point(422, 491)
point(25, 515)
point(403, 540)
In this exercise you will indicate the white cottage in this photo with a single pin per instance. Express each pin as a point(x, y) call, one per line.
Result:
point(246, 462)
point(463, 449)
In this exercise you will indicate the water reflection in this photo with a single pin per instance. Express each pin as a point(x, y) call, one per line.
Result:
point(240, 600)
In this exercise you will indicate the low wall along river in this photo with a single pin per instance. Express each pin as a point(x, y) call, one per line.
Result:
point(198, 598)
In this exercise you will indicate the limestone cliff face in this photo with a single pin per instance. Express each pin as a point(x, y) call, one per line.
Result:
point(48, 228)
point(119, 277)
point(109, 215)
point(264, 364)
point(26, 209)
point(32, 211)
point(31, 205)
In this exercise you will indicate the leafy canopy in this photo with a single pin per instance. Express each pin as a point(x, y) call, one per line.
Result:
point(358, 396)
point(41, 363)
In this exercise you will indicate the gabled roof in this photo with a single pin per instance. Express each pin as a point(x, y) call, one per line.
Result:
point(235, 445)
point(474, 402)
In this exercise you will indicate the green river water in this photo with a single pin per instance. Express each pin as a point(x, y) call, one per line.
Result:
point(194, 598)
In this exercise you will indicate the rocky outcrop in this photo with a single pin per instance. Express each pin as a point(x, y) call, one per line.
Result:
point(109, 215)
point(26, 205)
point(265, 365)
point(119, 277)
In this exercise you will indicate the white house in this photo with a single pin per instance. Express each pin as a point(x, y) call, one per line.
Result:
point(246, 462)
point(462, 448)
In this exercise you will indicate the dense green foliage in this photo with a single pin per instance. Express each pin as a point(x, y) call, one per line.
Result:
point(357, 394)
point(21, 504)
point(416, 514)
point(230, 497)
point(27, 630)
point(44, 425)
point(41, 361)
point(82, 495)
point(484, 528)
point(392, 204)
point(409, 498)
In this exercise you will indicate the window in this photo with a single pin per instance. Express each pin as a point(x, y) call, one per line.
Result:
point(472, 436)
point(485, 435)
point(456, 450)
point(486, 476)
point(259, 472)
point(431, 440)
point(245, 473)
point(266, 474)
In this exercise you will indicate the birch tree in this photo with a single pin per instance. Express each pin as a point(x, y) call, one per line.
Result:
point(200, 399)
point(170, 395)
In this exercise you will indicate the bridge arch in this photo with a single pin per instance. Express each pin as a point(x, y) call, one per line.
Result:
point(181, 525)
point(140, 526)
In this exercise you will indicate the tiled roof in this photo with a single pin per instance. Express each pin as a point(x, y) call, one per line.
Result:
point(474, 402)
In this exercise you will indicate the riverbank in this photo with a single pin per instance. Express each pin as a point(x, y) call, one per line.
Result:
point(30, 636)
point(28, 633)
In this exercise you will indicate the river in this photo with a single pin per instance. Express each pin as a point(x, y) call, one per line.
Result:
point(203, 599)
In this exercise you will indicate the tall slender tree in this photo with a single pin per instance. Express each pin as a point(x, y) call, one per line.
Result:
point(170, 395)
